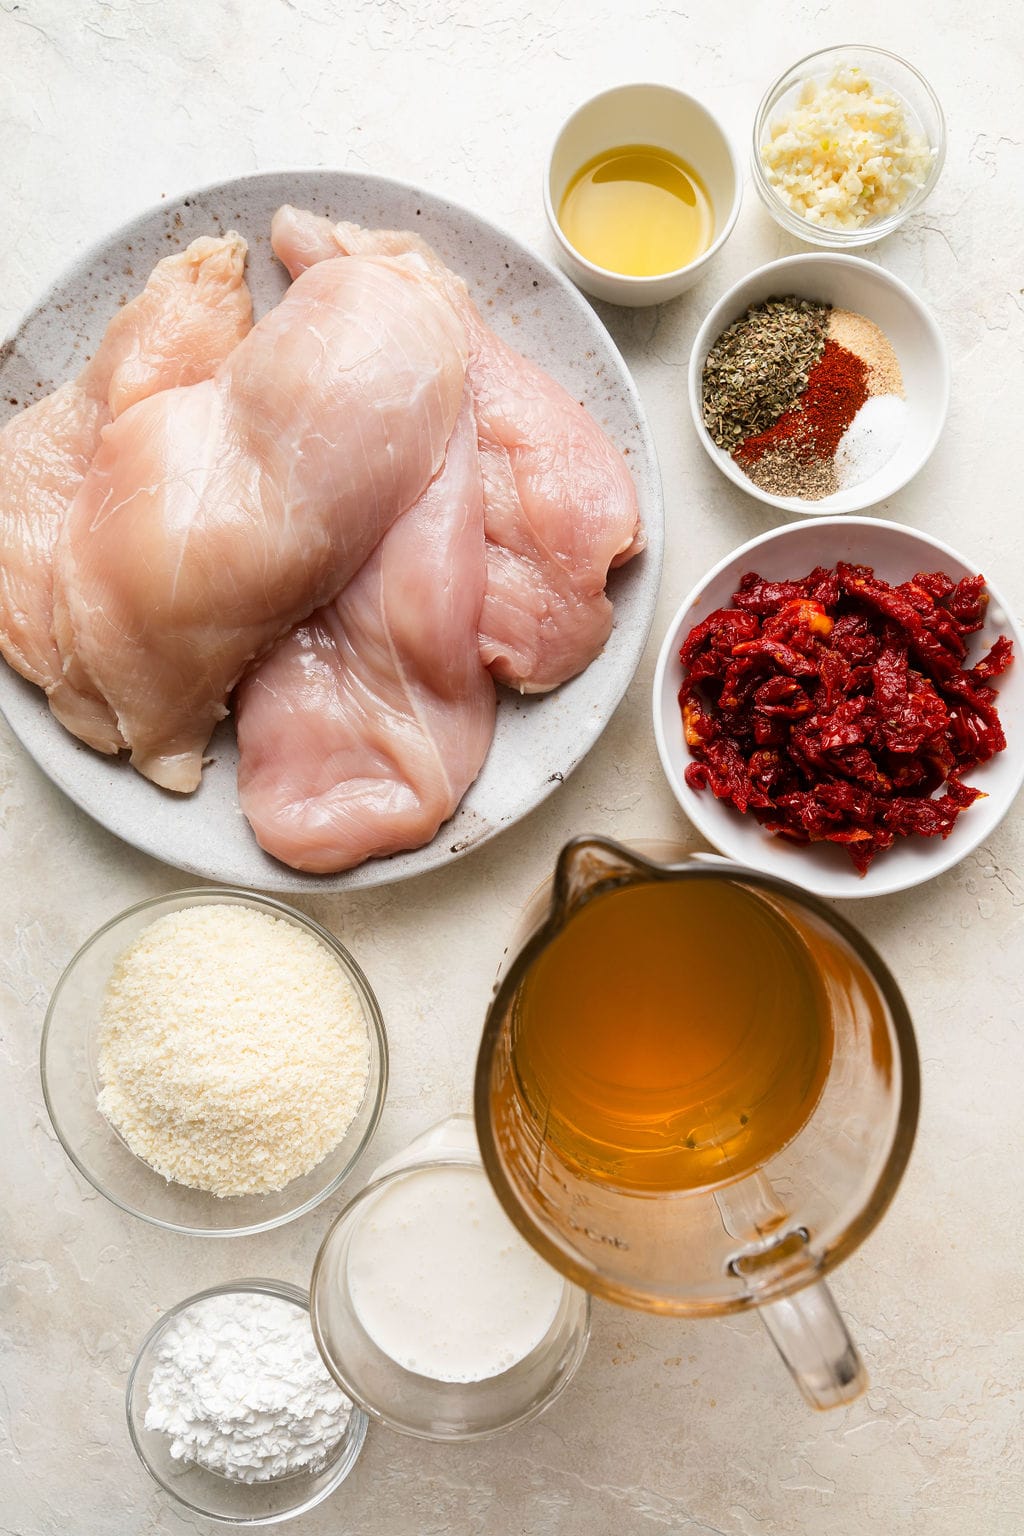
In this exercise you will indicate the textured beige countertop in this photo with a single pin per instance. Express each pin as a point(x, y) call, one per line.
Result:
point(669, 1427)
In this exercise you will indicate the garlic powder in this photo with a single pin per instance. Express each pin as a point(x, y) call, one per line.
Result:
point(845, 154)
point(233, 1051)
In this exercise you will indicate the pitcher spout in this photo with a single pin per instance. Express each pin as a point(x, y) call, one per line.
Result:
point(589, 864)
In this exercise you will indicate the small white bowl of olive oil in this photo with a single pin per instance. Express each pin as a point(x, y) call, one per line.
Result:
point(642, 188)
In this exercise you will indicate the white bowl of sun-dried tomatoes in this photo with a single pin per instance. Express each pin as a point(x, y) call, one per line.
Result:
point(841, 702)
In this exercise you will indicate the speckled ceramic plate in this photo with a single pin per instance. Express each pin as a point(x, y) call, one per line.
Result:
point(538, 741)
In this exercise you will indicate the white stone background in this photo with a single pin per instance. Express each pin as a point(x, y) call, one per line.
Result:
point(670, 1427)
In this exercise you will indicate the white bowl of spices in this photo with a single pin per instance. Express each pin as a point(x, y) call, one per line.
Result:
point(642, 188)
point(819, 384)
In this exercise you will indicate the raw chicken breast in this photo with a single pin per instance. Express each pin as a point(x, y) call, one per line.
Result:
point(559, 505)
point(193, 310)
point(362, 730)
point(215, 517)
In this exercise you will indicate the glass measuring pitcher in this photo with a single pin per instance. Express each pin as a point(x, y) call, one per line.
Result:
point(696, 1093)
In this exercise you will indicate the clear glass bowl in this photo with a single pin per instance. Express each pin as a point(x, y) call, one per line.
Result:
point(402, 1399)
point(886, 70)
point(70, 1073)
point(220, 1498)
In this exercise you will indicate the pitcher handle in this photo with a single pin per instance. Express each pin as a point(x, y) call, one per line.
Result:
point(810, 1335)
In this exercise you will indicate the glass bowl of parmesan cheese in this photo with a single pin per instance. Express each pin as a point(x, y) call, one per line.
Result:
point(848, 143)
point(214, 1061)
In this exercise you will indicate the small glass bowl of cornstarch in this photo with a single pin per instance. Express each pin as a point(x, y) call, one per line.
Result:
point(233, 1413)
point(214, 1062)
point(847, 144)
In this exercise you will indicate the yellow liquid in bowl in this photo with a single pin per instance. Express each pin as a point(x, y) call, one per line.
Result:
point(638, 211)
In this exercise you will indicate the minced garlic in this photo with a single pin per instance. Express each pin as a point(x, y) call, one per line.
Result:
point(845, 154)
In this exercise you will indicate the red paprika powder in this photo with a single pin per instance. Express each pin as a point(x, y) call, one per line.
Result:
point(837, 387)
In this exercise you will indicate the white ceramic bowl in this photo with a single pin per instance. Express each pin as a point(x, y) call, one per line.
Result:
point(668, 119)
point(845, 282)
point(896, 552)
point(883, 69)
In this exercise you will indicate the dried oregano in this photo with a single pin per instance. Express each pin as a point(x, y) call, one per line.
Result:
point(758, 367)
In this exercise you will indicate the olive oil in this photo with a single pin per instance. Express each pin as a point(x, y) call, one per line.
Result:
point(637, 210)
point(672, 1036)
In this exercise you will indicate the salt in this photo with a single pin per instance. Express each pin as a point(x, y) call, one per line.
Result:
point(871, 439)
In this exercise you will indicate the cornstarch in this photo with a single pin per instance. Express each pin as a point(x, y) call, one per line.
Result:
point(241, 1390)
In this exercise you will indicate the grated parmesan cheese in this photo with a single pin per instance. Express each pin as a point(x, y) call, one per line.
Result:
point(845, 154)
point(233, 1051)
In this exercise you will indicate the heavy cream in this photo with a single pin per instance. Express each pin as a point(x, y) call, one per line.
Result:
point(443, 1283)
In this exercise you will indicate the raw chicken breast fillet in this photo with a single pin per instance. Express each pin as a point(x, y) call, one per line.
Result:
point(193, 310)
point(362, 730)
point(560, 507)
point(216, 517)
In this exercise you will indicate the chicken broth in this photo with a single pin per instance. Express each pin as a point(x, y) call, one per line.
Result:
point(673, 1035)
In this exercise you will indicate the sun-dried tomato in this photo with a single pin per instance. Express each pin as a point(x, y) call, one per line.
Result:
point(784, 657)
point(784, 697)
point(854, 638)
point(968, 600)
point(837, 707)
point(993, 662)
point(936, 583)
point(719, 632)
point(798, 623)
point(764, 597)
